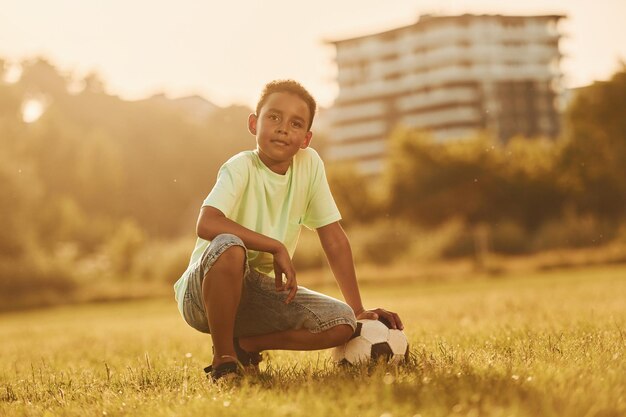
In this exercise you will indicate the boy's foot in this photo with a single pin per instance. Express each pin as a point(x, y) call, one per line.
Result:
point(249, 360)
point(223, 371)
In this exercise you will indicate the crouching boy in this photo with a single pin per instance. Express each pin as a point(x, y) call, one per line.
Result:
point(240, 285)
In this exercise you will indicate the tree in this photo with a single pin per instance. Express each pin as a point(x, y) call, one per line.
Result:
point(431, 182)
point(531, 193)
point(39, 75)
point(18, 193)
point(594, 160)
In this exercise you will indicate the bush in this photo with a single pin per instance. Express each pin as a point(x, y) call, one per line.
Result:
point(510, 238)
point(462, 245)
point(506, 237)
point(386, 241)
point(162, 261)
point(31, 281)
point(574, 231)
point(124, 246)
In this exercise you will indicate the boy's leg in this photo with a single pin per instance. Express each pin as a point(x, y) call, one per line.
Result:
point(312, 321)
point(226, 299)
point(301, 339)
point(221, 293)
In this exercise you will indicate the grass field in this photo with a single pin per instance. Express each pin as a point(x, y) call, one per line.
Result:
point(538, 344)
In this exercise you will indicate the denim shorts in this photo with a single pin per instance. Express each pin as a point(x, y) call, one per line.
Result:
point(262, 309)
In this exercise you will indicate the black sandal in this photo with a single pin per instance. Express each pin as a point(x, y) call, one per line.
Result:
point(244, 359)
point(226, 369)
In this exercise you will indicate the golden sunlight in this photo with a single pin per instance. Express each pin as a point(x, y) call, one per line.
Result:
point(32, 109)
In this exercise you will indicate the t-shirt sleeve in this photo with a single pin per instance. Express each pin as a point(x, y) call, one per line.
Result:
point(322, 209)
point(227, 190)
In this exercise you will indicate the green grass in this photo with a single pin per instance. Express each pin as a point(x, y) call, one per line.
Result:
point(540, 344)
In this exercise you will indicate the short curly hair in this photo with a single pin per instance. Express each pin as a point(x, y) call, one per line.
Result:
point(288, 86)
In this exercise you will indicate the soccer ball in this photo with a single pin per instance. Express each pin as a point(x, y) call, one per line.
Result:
point(372, 341)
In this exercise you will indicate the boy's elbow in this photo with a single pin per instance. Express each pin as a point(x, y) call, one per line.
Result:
point(201, 230)
point(206, 225)
point(206, 229)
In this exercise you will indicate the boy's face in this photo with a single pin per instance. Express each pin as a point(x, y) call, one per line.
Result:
point(281, 130)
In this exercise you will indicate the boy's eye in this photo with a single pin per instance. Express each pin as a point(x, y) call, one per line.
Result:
point(297, 125)
point(273, 117)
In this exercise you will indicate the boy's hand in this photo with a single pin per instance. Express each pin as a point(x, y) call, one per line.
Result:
point(284, 266)
point(375, 314)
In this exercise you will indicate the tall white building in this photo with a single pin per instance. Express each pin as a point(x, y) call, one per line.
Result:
point(451, 75)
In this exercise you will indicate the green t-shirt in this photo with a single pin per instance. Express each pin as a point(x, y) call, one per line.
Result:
point(275, 205)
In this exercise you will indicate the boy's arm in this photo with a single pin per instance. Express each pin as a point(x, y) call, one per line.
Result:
point(339, 254)
point(212, 222)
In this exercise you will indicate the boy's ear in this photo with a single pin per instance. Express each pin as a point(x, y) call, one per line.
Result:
point(307, 140)
point(252, 119)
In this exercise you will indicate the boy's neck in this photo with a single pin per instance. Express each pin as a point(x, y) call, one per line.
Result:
point(279, 167)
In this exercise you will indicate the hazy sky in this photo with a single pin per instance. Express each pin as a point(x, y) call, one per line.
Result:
point(225, 51)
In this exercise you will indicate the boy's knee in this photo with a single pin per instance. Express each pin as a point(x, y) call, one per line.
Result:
point(345, 332)
point(233, 258)
point(234, 253)
point(228, 267)
point(340, 334)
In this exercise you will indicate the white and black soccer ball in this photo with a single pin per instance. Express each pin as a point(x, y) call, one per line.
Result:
point(372, 341)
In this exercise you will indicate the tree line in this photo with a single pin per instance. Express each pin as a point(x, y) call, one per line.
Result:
point(98, 187)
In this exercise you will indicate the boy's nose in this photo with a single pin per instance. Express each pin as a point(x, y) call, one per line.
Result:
point(281, 129)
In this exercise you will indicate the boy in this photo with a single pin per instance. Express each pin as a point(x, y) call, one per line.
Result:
point(241, 285)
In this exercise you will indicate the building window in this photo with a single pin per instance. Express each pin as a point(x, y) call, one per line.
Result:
point(363, 71)
point(393, 76)
point(389, 57)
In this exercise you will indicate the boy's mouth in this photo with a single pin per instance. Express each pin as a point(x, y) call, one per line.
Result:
point(279, 142)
